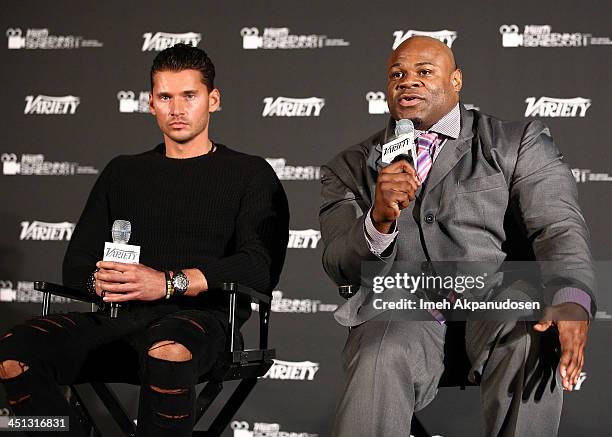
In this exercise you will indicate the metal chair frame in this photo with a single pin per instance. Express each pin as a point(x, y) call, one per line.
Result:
point(236, 363)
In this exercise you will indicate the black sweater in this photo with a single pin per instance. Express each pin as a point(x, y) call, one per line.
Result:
point(224, 213)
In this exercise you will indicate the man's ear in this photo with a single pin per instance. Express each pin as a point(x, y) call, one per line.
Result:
point(457, 79)
point(214, 100)
point(151, 108)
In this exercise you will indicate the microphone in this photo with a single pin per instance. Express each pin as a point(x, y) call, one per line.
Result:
point(120, 251)
point(402, 145)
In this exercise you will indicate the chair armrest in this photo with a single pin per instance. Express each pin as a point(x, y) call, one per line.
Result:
point(348, 291)
point(234, 287)
point(64, 291)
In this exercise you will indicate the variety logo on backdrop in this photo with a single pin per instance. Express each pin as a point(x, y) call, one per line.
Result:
point(587, 175)
point(306, 239)
point(281, 38)
point(43, 231)
point(291, 107)
point(35, 165)
point(446, 36)
point(129, 103)
point(24, 292)
point(241, 428)
point(48, 105)
point(553, 107)
point(294, 371)
point(541, 35)
point(293, 173)
point(42, 39)
point(159, 41)
point(282, 304)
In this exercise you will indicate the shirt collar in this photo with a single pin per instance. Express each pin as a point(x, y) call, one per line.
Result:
point(449, 125)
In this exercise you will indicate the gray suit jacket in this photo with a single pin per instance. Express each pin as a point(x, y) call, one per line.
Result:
point(499, 192)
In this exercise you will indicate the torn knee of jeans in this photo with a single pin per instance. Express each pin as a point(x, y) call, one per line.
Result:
point(5, 336)
point(53, 322)
point(172, 416)
point(193, 322)
point(68, 318)
point(169, 391)
point(169, 350)
point(12, 369)
point(38, 328)
point(12, 402)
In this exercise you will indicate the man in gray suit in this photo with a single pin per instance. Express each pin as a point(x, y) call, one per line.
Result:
point(484, 190)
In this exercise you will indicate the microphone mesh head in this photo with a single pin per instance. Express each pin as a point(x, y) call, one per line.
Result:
point(404, 127)
point(121, 231)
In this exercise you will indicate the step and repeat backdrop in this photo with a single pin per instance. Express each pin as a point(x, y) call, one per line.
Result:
point(299, 81)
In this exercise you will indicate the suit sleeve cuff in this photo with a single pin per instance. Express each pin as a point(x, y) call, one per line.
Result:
point(377, 241)
point(573, 295)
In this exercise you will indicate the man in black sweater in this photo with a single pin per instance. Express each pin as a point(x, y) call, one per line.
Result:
point(203, 214)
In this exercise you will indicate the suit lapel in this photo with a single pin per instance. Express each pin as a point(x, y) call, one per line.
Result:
point(452, 152)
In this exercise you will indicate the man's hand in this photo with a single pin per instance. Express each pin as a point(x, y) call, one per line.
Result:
point(124, 282)
point(395, 189)
point(572, 323)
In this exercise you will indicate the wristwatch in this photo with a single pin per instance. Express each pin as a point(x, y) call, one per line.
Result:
point(180, 283)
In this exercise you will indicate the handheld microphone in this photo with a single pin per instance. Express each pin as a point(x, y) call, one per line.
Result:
point(120, 251)
point(402, 145)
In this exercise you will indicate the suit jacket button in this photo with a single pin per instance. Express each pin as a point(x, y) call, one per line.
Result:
point(429, 217)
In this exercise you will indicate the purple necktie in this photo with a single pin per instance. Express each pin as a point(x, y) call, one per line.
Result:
point(425, 151)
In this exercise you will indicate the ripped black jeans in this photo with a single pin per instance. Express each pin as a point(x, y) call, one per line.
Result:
point(62, 349)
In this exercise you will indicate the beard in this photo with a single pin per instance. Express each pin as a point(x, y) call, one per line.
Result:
point(417, 122)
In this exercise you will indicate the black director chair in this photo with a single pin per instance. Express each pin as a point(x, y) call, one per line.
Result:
point(236, 363)
point(456, 362)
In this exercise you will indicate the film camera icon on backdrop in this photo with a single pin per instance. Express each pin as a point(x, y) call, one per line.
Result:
point(15, 40)
point(250, 38)
point(10, 166)
point(377, 102)
point(129, 103)
point(510, 35)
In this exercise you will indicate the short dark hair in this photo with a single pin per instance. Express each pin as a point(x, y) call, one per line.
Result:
point(185, 57)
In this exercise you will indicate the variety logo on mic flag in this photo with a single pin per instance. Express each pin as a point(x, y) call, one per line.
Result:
point(241, 428)
point(286, 172)
point(35, 165)
point(159, 41)
point(42, 39)
point(404, 145)
point(280, 38)
point(445, 36)
point(553, 107)
point(295, 371)
point(306, 239)
point(44, 231)
point(128, 102)
point(48, 105)
point(291, 107)
point(587, 175)
point(119, 250)
point(541, 35)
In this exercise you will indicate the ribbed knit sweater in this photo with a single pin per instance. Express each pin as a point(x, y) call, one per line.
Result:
point(224, 213)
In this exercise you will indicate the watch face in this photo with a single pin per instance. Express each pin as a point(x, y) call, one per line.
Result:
point(180, 282)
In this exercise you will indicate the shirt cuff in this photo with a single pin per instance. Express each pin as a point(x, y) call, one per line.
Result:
point(377, 241)
point(573, 295)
